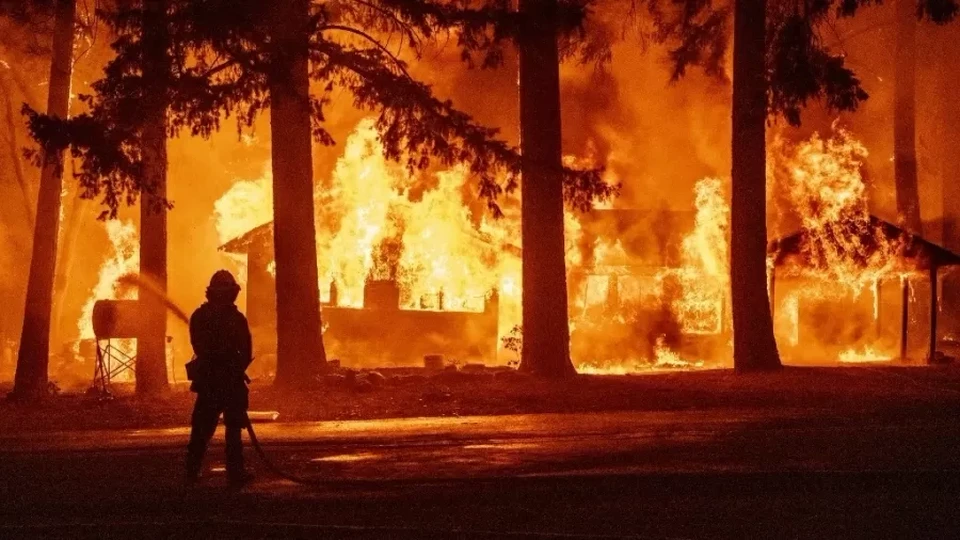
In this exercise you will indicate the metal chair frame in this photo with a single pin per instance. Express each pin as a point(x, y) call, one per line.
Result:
point(111, 362)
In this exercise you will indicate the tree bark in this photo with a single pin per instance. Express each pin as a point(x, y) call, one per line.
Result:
point(546, 331)
point(754, 346)
point(34, 355)
point(300, 351)
point(904, 118)
point(151, 367)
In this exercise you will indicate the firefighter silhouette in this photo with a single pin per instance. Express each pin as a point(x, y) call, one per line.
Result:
point(222, 348)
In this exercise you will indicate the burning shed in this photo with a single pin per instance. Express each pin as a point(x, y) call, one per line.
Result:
point(859, 253)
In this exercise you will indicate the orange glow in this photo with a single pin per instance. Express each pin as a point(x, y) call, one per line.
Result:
point(124, 259)
point(376, 220)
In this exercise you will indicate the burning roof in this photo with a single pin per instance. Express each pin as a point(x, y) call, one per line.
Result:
point(240, 245)
point(860, 242)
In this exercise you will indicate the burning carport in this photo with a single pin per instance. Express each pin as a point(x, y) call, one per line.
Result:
point(873, 246)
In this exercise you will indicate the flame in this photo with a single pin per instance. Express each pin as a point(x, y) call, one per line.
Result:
point(850, 254)
point(863, 355)
point(124, 259)
point(376, 220)
point(826, 189)
point(427, 231)
point(664, 360)
point(706, 261)
point(618, 293)
point(245, 206)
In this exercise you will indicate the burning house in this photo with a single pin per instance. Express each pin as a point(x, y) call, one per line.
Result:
point(379, 331)
point(632, 302)
point(411, 265)
point(642, 292)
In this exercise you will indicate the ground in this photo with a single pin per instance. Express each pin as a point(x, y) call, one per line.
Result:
point(411, 393)
point(806, 453)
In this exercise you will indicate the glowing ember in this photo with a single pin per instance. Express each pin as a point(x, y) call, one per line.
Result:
point(664, 360)
point(863, 355)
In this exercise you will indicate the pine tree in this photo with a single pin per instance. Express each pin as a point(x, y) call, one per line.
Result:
point(151, 367)
point(786, 65)
point(779, 65)
point(754, 346)
point(300, 349)
point(905, 117)
point(546, 332)
point(34, 355)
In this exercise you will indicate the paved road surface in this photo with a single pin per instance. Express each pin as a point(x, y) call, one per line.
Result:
point(737, 474)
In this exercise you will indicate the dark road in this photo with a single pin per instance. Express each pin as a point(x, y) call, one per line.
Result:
point(794, 474)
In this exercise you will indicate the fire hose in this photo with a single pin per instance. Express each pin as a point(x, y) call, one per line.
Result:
point(273, 467)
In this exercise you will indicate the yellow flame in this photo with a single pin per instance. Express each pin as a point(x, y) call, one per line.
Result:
point(245, 206)
point(863, 355)
point(124, 259)
point(827, 191)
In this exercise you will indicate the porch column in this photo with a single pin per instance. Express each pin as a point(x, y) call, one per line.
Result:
point(934, 308)
point(904, 302)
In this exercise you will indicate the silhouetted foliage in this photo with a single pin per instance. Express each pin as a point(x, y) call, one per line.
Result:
point(27, 11)
point(800, 66)
point(220, 61)
point(937, 11)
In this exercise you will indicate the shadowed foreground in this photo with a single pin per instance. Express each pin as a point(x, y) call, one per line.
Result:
point(855, 471)
point(414, 393)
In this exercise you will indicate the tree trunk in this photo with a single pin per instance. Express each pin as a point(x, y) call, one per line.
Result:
point(904, 118)
point(34, 356)
point(754, 346)
point(546, 332)
point(300, 351)
point(151, 368)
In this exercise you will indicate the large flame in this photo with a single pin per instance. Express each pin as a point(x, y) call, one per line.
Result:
point(828, 193)
point(427, 231)
point(376, 220)
point(379, 221)
point(124, 259)
point(245, 206)
point(847, 255)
